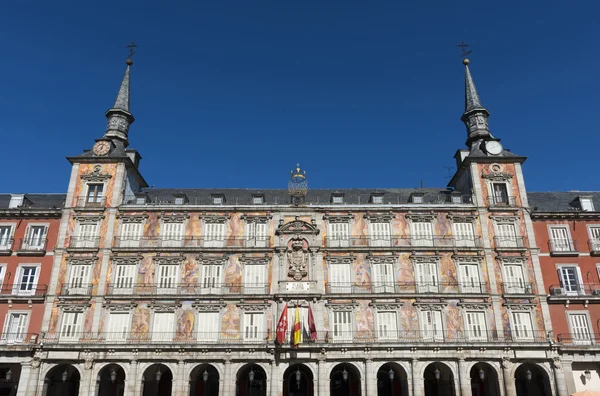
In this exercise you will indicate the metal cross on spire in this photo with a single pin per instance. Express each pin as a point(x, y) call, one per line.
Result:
point(463, 47)
point(131, 47)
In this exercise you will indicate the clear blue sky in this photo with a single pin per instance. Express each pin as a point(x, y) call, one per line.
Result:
point(362, 93)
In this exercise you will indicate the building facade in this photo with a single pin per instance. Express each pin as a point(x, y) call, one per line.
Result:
point(179, 292)
point(567, 229)
point(28, 229)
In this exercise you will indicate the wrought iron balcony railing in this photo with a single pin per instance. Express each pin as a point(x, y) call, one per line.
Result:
point(84, 242)
point(32, 245)
point(518, 288)
point(18, 338)
point(125, 242)
point(509, 243)
point(405, 241)
point(502, 201)
point(563, 247)
point(23, 289)
point(576, 289)
point(90, 202)
point(137, 338)
point(150, 289)
point(431, 336)
point(6, 245)
point(407, 288)
point(578, 339)
point(76, 289)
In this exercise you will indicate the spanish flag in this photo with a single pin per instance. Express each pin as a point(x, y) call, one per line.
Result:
point(297, 329)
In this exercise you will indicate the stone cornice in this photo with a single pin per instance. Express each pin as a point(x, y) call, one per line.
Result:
point(169, 260)
point(127, 260)
point(83, 219)
point(378, 217)
point(382, 259)
point(425, 217)
point(212, 260)
point(260, 219)
point(132, 218)
point(340, 259)
point(338, 218)
point(264, 260)
point(78, 260)
point(173, 217)
point(215, 218)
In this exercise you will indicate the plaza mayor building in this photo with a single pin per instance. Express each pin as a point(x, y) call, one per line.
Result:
point(298, 291)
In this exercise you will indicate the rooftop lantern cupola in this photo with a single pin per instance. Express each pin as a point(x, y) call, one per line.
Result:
point(298, 185)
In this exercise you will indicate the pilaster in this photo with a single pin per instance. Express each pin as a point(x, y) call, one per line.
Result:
point(464, 378)
point(417, 383)
point(370, 384)
point(559, 377)
point(509, 381)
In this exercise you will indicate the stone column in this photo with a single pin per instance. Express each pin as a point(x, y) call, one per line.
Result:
point(464, 378)
point(321, 383)
point(87, 383)
point(559, 377)
point(417, 381)
point(370, 385)
point(567, 368)
point(27, 376)
point(509, 381)
point(229, 386)
point(274, 384)
point(132, 379)
point(179, 384)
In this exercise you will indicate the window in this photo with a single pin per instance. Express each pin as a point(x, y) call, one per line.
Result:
point(587, 204)
point(463, 234)
point(514, 280)
point(172, 234)
point(140, 200)
point(570, 279)
point(431, 324)
point(15, 327)
point(337, 199)
point(95, 193)
point(254, 279)
point(387, 326)
point(35, 237)
point(179, 200)
point(342, 326)
point(254, 326)
point(422, 233)
point(131, 234)
point(258, 200)
point(380, 234)
point(164, 326)
point(16, 200)
point(87, 235)
point(2, 272)
point(27, 276)
point(217, 200)
point(338, 234)
point(560, 240)
point(469, 277)
point(124, 278)
point(214, 234)
point(522, 329)
point(417, 199)
point(211, 278)
point(340, 278)
point(71, 326)
point(594, 238)
point(167, 278)
point(377, 199)
point(256, 234)
point(455, 198)
point(383, 278)
point(580, 329)
point(118, 326)
point(426, 275)
point(208, 326)
point(500, 194)
point(5, 237)
point(506, 236)
point(475, 325)
point(79, 278)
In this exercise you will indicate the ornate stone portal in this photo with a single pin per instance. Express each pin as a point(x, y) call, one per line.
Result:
point(297, 256)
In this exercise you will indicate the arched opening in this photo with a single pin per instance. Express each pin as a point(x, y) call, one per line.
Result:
point(251, 381)
point(344, 380)
point(298, 381)
point(62, 380)
point(111, 381)
point(157, 381)
point(204, 381)
point(532, 380)
point(392, 380)
point(438, 380)
point(9, 379)
point(484, 380)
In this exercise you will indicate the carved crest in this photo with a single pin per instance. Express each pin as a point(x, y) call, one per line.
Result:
point(297, 227)
point(96, 175)
point(297, 256)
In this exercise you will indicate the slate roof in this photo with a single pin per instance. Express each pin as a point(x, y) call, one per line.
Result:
point(36, 201)
point(567, 201)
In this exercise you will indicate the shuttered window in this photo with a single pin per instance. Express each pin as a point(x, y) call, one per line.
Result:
point(427, 277)
point(15, 327)
point(475, 324)
point(28, 278)
point(594, 238)
point(87, 235)
point(522, 326)
point(208, 326)
point(131, 234)
point(380, 234)
point(125, 278)
point(214, 234)
point(167, 278)
point(342, 326)
point(515, 283)
point(383, 278)
point(506, 235)
point(570, 279)
point(256, 234)
point(79, 279)
point(255, 279)
point(387, 326)
point(559, 239)
point(338, 234)
point(340, 278)
point(422, 233)
point(5, 237)
point(254, 327)
point(580, 329)
point(469, 278)
point(36, 237)
point(71, 326)
point(211, 278)
point(164, 326)
point(431, 323)
point(463, 234)
point(172, 234)
point(118, 326)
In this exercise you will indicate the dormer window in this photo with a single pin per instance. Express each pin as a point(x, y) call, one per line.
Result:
point(456, 198)
point(180, 200)
point(16, 200)
point(258, 199)
point(218, 199)
point(377, 198)
point(417, 198)
point(337, 198)
point(587, 205)
point(140, 200)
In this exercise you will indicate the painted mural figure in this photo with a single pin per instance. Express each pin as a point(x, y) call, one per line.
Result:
point(297, 259)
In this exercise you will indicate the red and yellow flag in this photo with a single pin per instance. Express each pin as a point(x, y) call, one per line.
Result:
point(297, 328)
point(282, 325)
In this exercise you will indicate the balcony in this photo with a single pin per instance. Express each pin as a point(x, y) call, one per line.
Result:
point(90, 203)
point(585, 339)
point(518, 288)
point(594, 245)
point(190, 243)
point(160, 338)
point(83, 243)
point(76, 289)
point(502, 202)
point(428, 336)
point(24, 290)
point(583, 292)
point(509, 243)
point(19, 338)
point(156, 289)
point(6, 246)
point(405, 242)
point(563, 247)
point(32, 246)
point(408, 288)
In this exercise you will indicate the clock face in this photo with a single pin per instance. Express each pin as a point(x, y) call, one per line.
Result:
point(493, 147)
point(102, 147)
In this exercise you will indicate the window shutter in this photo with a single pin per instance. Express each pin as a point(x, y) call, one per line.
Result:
point(515, 283)
point(383, 274)
point(208, 326)
point(463, 234)
point(131, 234)
point(522, 324)
point(125, 278)
point(339, 234)
point(580, 330)
point(507, 236)
point(342, 325)
point(163, 326)
point(80, 274)
point(476, 326)
point(71, 326)
point(431, 322)
point(167, 279)
point(339, 278)
point(118, 326)
point(254, 279)
point(253, 326)
point(380, 234)
point(422, 233)
point(470, 278)
point(560, 239)
point(387, 325)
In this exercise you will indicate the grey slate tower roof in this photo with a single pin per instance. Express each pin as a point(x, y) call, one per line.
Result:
point(475, 116)
point(122, 101)
point(119, 117)
point(472, 100)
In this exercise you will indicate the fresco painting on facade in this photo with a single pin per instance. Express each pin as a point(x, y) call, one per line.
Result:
point(448, 273)
point(454, 318)
point(185, 322)
point(140, 323)
point(506, 324)
point(96, 269)
point(442, 225)
point(230, 322)
point(62, 275)
point(233, 274)
point(399, 226)
point(405, 270)
point(362, 272)
point(89, 320)
point(53, 323)
point(409, 318)
point(364, 320)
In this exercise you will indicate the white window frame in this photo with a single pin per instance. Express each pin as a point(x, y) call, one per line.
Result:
point(258, 200)
point(9, 337)
point(522, 331)
point(209, 330)
point(561, 245)
point(256, 233)
point(251, 286)
point(86, 241)
point(179, 201)
point(170, 283)
point(211, 239)
point(431, 332)
point(6, 242)
point(210, 283)
point(338, 233)
point(340, 286)
point(131, 239)
point(122, 334)
point(344, 331)
point(254, 332)
point(461, 238)
point(75, 331)
point(585, 337)
point(514, 285)
point(163, 336)
point(79, 286)
point(380, 233)
point(594, 240)
point(377, 199)
point(97, 199)
point(171, 239)
point(431, 280)
point(419, 238)
point(473, 334)
point(579, 286)
point(586, 202)
point(218, 200)
point(504, 240)
point(16, 201)
point(19, 276)
point(383, 277)
point(3, 267)
point(472, 284)
point(383, 332)
point(27, 245)
point(118, 282)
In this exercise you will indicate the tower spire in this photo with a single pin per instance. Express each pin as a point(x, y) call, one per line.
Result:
point(475, 116)
point(119, 117)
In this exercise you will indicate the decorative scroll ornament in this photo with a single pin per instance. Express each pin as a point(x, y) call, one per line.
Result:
point(505, 219)
point(379, 217)
point(260, 260)
point(497, 174)
point(382, 259)
point(77, 260)
point(340, 259)
point(478, 305)
point(461, 217)
point(297, 227)
point(96, 175)
point(386, 306)
point(127, 260)
point(132, 218)
point(428, 305)
point(298, 185)
point(212, 260)
point(338, 218)
point(174, 217)
point(297, 257)
point(511, 259)
point(425, 258)
point(88, 219)
point(421, 217)
point(214, 218)
point(467, 259)
point(258, 219)
point(169, 260)
point(171, 308)
point(70, 306)
point(208, 307)
point(350, 306)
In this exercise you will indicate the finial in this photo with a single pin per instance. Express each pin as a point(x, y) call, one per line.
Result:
point(464, 54)
point(131, 46)
point(465, 61)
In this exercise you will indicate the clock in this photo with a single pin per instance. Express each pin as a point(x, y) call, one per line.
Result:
point(102, 147)
point(493, 147)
